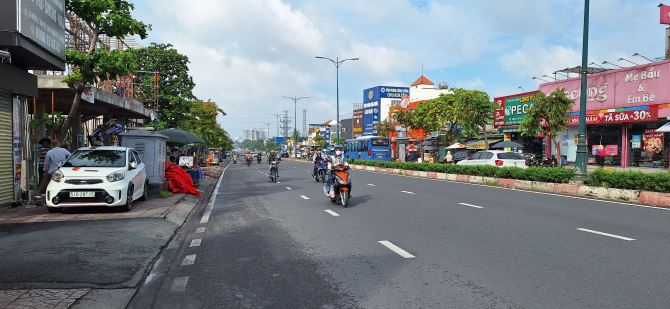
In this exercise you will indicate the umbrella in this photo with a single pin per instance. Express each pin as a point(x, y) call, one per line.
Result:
point(457, 146)
point(176, 136)
point(506, 144)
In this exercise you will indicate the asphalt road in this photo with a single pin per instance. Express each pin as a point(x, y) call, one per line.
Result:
point(409, 243)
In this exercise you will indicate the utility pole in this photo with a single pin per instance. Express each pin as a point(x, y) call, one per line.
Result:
point(277, 115)
point(337, 62)
point(304, 123)
point(284, 125)
point(295, 118)
point(580, 161)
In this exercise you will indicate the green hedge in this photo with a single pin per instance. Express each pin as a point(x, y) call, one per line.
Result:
point(631, 180)
point(544, 174)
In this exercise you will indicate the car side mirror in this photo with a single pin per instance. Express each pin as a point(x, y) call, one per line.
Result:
point(133, 165)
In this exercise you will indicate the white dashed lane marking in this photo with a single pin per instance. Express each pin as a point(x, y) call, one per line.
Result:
point(195, 242)
point(304, 197)
point(605, 234)
point(200, 230)
point(289, 188)
point(332, 213)
point(396, 249)
point(408, 192)
point(470, 205)
point(188, 260)
point(179, 284)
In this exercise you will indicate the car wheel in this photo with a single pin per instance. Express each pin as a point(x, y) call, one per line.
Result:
point(129, 200)
point(145, 195)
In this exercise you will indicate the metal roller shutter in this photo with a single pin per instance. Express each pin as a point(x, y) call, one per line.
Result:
point(6, 161)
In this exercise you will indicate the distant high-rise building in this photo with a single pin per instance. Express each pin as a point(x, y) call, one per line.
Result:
point(255, 134)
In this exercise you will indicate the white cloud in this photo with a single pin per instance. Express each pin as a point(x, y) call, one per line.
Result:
point(535, 59)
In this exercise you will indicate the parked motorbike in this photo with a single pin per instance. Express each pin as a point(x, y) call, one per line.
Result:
point(535, 160)
point(248, 161)
point(274, 171)
point(341, 185)
point(321, 170)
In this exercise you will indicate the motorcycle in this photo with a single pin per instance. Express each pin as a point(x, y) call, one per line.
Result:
point(235, 160)
point(321, 170)
point(274, 172)
point(248, 161)
point(535, 160)
point(258, 160)
point(341, 185)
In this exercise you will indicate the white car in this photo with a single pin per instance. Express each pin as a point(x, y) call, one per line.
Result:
point(496, 158)
point(101, 176)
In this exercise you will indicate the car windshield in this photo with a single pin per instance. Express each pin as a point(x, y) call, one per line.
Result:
point(510, 156)
point(97, 158)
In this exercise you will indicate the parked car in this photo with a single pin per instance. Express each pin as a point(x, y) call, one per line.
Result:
point(102, 176)
point(462, 155)
point(283, 154)
point(496, 158)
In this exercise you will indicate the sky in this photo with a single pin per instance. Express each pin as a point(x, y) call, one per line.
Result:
point(247, 54)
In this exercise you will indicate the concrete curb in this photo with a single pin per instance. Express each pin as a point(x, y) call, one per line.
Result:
point(656, 199)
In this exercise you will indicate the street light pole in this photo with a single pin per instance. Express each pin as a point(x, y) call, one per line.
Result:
point(337, 62)
point(580, 162)
point(295, 117)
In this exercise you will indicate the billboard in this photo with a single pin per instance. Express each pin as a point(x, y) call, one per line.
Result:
point(377, 102)
point(357, 127)
point(43, 22)
point(512, 109)
point(641, 85)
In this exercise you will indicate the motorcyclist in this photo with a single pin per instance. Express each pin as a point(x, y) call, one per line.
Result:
point(259, 155)
point(272, 157)
point(247, 156)
point(318, 158)
point(235, 157)
point(334, 160)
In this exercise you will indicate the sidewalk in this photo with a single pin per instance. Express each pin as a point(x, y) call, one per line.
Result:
point(86, 258)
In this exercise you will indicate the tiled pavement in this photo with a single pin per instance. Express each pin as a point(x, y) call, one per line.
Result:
point(65, 298)
point(153, 208)
point(42, 298)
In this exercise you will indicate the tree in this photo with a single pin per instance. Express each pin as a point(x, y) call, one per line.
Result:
point(384, 128)
point(320, 141)
point(472, 110)
point(548, 116)
point(203, 123)
point(175, 86)
point(103, 17)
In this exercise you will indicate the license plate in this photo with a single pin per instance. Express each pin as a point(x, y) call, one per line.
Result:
point(82, 194)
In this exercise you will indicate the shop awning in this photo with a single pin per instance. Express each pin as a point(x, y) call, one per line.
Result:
point(665, 128)
point(480, 144)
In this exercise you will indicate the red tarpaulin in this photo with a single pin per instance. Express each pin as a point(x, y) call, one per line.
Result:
point(179, 181)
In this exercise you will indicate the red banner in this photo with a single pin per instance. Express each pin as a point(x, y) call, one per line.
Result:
point(498, 118)
point(617, 117)
point(665, 14)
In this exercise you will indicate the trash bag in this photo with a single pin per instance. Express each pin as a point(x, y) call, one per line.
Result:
point(179, 181)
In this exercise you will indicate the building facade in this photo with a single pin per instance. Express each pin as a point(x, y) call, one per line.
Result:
point(377, 102)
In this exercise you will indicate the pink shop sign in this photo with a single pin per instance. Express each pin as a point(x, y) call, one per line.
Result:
point(636, 86)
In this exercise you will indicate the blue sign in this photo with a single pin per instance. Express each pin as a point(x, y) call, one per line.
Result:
point(376, 98)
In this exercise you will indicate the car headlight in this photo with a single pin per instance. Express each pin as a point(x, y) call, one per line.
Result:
point(57, 176)
point(116, 176)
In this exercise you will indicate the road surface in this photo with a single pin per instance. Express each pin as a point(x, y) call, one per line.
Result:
point(408, 243)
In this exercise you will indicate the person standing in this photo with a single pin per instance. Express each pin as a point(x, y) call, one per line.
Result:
point(449, 158)
point(45, 146)
point(52, 160)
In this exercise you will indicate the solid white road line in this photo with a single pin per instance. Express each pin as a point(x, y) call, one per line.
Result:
point(179, 284)
point(200, 230)
point(289, 188)
point(332, 213)
point(195, 242)
point(304, 197)
point(408, 192)
point(208, 210)
point(396, 249)
point(372, 185)
point(605, 234)
point(470, 205)
point(188, 260)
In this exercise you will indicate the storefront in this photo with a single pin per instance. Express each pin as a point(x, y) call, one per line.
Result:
point(508, 116)
point(32, 37)
point(624, 109)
